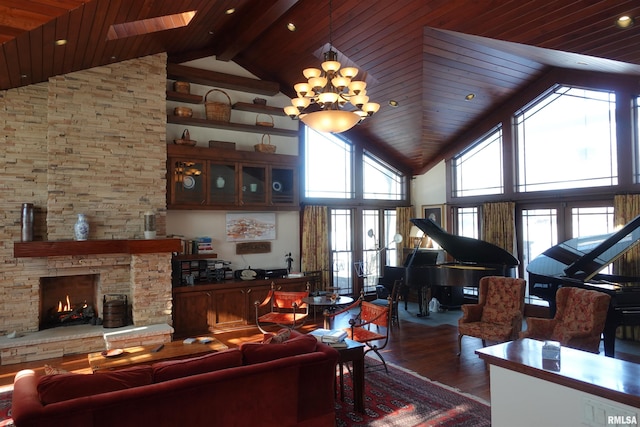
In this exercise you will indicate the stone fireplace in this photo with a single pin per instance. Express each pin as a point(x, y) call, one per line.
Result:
point(140, 269)
point(90, 142)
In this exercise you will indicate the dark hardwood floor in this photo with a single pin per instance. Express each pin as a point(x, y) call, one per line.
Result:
point(427, 350)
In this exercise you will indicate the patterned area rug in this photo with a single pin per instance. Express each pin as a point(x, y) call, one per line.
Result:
point(5, 409)
point(403, 398)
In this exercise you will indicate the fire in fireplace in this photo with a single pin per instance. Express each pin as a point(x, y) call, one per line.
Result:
point(67, 300)
point(66, 314)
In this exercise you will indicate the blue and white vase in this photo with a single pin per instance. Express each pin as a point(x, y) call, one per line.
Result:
point(81, 228)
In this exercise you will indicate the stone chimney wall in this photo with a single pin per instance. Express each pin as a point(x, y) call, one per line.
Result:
point(91, 142)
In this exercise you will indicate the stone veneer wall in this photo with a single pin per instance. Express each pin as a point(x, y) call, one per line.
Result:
point(90, 142)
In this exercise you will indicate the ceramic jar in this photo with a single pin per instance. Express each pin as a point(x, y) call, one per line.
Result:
point(220, 182)
point(27, 222)
point(81, 228)
point(149, 225)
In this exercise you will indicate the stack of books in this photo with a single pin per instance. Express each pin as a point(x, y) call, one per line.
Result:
point(204, 246)
point(333, 337)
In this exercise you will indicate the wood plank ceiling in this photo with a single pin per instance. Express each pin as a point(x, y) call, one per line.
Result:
point(425, 54)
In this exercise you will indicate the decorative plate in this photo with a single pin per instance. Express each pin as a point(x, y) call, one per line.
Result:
point(188, 182)
point(113, 353)
point(276, 186)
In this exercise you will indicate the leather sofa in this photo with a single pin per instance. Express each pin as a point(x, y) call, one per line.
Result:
point(271, 384)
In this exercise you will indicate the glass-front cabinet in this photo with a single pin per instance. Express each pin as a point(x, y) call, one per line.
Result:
point(283, 186)
point(253, 190)
point(223, 187)
point(188, 183)
point(212, 178)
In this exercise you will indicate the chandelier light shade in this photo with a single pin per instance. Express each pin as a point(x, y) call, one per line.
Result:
point(331, 100)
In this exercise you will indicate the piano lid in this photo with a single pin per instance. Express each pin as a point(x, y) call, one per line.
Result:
point(585, 257)
point(465, 249)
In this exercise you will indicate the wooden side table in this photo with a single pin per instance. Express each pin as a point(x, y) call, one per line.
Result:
point(354, 353)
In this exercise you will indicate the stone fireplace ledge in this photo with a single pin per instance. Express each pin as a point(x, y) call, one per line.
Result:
point(57, 342)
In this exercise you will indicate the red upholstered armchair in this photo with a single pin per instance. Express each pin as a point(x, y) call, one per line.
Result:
point(498, 314)
point(578, 322)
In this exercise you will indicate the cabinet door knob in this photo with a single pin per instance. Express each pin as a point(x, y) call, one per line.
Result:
point(249, 291)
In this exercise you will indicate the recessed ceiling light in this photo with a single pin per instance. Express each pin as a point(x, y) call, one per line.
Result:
point(61, 42)
point(470, 96)
point(291, 26)
point(393, 103)
point(230, 11)
point(625, 22)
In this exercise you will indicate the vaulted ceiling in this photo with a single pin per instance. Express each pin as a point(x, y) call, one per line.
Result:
point(425, 54)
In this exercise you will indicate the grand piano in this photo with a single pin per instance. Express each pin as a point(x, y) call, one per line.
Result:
point(474, 259)
point(578, 262)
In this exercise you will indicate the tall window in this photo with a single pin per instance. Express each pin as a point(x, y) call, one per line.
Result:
point(380, 181)
point(327, 166)
point(567, 139)
point(342, 249)
point(355, 207)
point(468, 225)
point(478, 170)
point(544, 228)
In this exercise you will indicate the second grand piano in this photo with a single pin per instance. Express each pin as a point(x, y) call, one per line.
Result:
point(474, 259)
point(579, 262)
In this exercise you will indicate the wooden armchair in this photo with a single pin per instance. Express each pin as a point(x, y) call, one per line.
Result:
point(370, 326)
point(498, 314)
point(286, 308)
point(579, 320)
point(394, 295)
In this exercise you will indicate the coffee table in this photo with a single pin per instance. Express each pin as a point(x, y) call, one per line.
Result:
point(143, 354)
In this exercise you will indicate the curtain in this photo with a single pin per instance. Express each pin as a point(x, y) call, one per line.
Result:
point(499, 226)
point(315, 241)
point(403, 227)
point(625, 208)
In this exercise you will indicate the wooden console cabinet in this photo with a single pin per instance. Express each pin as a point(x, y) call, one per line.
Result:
point(204, 308)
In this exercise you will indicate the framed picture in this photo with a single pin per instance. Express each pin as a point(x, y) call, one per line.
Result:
point(435, 213)
point(243, 227)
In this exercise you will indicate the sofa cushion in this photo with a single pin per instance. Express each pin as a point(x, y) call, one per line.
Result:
point(171, 369)
point(257, 352)
point(57, 388)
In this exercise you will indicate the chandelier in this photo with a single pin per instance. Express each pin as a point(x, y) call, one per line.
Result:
point(330, 100)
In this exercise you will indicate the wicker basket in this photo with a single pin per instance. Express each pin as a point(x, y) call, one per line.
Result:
point(265, 148)
point(218, 111)
point(261, 122)
point(182, 87)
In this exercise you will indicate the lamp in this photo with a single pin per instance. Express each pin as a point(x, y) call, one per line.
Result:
point(417, 235)
point(397, 238)
point(322, 101)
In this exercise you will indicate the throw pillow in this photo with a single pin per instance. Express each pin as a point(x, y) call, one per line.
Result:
point(278, 338)
point(51, 370)
point(172, 369)
point(258, 352)
point(57, 388)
